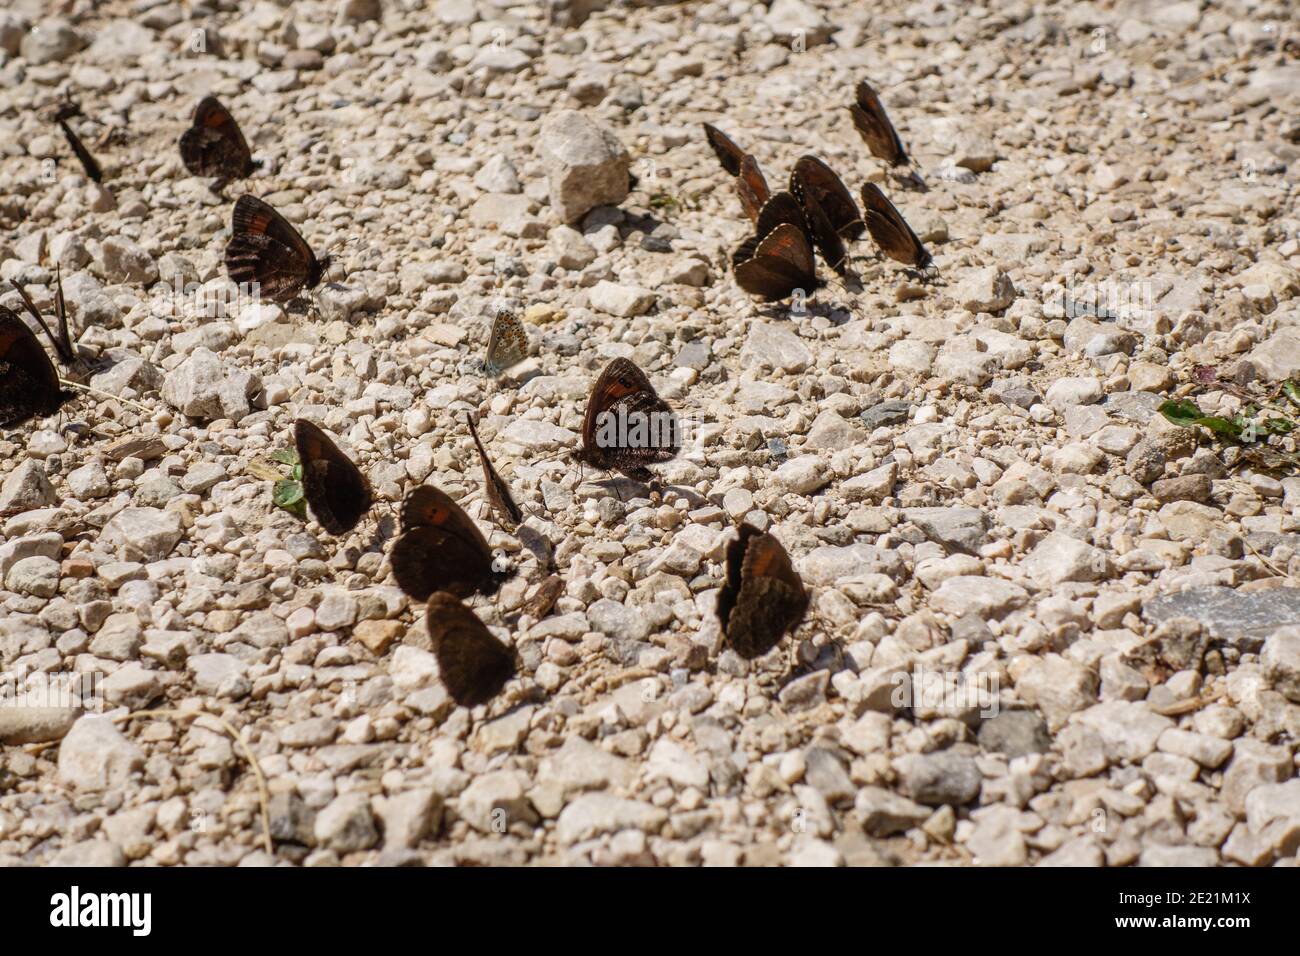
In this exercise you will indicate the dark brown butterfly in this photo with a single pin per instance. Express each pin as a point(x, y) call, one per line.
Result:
point(441, 549)
point(88, 162)
point(814, 181)
point(780, 209)
point(542, 599)
point(875, 128)
point(29, 383)
point(473, 664)
point(266, 250)
point(777, 265)
point(751, 185)
point(498, 492)
point(213, 146)
point(890, 230)
point(763, 597)
point(336, 491)
point(627, 426)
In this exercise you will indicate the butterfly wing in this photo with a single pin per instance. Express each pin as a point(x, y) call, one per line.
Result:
point(507, 344)
point(780, 209)
point(498, 492)
point(813, 178)
point(88, 163)
point(29, 383)
point(334, 487)
point(890, 230)
point(729, 154)
point(473, 664)
point(782, 262)
point(265, 249)
point(820, 231)
point(441, 549)
point(874, 127)
point(214, 145)
point(624, 398)
point(769, 599)
point(751, 186)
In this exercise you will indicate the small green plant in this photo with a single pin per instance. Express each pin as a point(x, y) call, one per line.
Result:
point(286, 493)
point(1260, 419)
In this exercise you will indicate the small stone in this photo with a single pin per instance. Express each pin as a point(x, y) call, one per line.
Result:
point(774, 347)
point(50, 41)
point(125, 262)
point(1016, 733)
point(986, 290)
point(884, 813)
point(586, 165)
point(204, 387)
point(1280, 659)
point(621, 300)
point(96, 756)
point(26, 488)
point(594, 814)
point(220, 675)
point(939, 778)
point(37, 576)
point(346, 824)
point(803, 475)
point(617, 620)
point(144, 534)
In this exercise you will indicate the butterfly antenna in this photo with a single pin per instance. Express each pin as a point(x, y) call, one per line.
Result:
point(35, 313)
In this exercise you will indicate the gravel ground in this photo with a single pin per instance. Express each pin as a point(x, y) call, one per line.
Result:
point(1048, 626)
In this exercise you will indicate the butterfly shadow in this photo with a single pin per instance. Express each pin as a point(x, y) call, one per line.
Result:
point(536, 544)
point(835, 313)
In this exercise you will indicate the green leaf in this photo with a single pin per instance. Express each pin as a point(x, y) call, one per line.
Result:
point(1186, 414)
point(1277, 426)
point(285, 456)
point(1291, 389)
point(286, 493)
point(296, 474)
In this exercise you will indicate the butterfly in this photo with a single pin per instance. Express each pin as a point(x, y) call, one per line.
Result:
point(507, 343)
point(763, 597)
point(829, 208)
point(778, 264)
point(875, 128)
point(29, 383)
point(213, 146)
point(751, 185)
point(473, 664)
point(336, 490)
point(890, 230)
point(498, 492)
point(627, 425)
point(88, 163)
point(62, 343)
point(441, 549)
point(266, 250)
